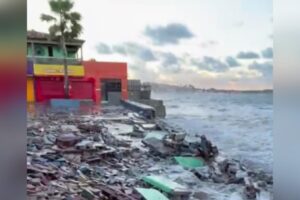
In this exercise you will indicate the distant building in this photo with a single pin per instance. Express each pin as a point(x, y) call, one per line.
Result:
point(91, 80)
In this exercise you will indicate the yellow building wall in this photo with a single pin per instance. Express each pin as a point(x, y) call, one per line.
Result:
point(30, 90)
point(57, 70)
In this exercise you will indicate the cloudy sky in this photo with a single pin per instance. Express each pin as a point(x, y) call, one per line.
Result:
point(225, 44)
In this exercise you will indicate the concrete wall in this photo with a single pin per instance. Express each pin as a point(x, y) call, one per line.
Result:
point(158, 105)
point(146, 110)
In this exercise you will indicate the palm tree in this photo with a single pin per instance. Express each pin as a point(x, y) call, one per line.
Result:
point(65, 26)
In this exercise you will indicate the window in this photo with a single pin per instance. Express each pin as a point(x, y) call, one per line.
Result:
point(39, 51)
point(29, 51)
point(71, 51)
point(50, 51)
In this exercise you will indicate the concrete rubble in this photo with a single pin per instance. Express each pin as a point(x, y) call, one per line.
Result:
point(105, 156)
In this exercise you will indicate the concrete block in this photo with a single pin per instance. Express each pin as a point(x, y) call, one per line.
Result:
point(64, 103)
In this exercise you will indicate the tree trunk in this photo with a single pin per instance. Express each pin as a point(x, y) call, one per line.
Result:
point(66, 77)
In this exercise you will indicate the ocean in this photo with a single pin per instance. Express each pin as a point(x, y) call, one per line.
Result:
point(240, 124)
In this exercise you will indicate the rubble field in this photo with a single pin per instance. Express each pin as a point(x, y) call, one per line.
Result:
point(119, 155)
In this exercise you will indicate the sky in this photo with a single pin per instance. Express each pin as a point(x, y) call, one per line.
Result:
point(223, 44)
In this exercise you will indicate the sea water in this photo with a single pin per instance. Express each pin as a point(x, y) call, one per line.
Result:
point(240, 124)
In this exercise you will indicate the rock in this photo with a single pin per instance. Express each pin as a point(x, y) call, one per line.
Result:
point(201, 195)
point(218, 179)
point(241, 174)
point(178, 137)
point(138, 128)
point(84, 144)
point(206, 150)
point(203, 173)
point(49, 139)
point(157, 146)
point(69, 128)
point(250, 190)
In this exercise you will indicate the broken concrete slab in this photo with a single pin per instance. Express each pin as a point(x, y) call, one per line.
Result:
point(189, 162)
point(156, 134)
point(148, 126)
point(177, 136)
point(151, 194)
point(157, 146)
point(166, 185)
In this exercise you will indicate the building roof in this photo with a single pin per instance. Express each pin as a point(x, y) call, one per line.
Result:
point(45, 38)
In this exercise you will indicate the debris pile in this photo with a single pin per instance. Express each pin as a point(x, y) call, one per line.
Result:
point(112, 155)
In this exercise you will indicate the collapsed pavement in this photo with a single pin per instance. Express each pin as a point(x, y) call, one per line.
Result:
point(119, 154)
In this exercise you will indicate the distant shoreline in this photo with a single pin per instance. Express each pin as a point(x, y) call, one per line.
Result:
point(190, 88)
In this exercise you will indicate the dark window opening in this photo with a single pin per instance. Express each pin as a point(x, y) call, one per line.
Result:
point(50, 51)
point(39, 51)
point(110, 85)
point(72, 49)
point(113, 86)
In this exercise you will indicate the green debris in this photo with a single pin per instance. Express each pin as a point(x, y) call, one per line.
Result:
point(151, 194)
point(189, 162)
point(164, 184)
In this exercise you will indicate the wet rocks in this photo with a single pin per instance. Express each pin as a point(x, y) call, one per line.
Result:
point(206, 150)
point(157, 147)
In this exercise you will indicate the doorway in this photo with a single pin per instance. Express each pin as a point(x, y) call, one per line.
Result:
point(111, 91)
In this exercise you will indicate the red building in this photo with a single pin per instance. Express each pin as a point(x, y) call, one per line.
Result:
point(110, 79)
point(102, 81)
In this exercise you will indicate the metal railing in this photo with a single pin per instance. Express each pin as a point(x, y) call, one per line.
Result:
point(53, 60)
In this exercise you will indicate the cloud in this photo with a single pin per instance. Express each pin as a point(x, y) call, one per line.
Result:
point(169, 59)
point(209, 43)
point(103, 48)
point(271, 36)
point(232, 62)
point(170, 62)
point(139, 70)
point(267, 53)
point(265, 68)
point(239, 24)
point(120, 49)
point(169, 34)
point(210, 64)
point(247, 55)
point(135, 50)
